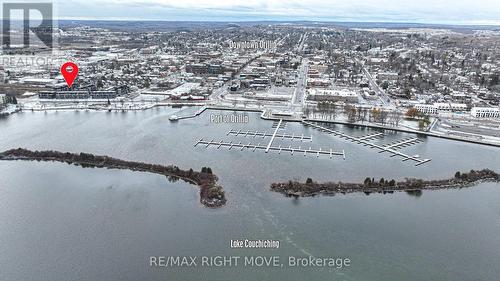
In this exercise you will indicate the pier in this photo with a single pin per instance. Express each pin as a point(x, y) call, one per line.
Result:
point(269, 146)
point(256, 134)
point(279, 124)
point(197, 113)
point(365, 140)
point(274, 135)
point(403, 143)
point(253, 147)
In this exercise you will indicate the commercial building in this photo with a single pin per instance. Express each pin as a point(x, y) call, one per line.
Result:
point(387, 76)
point(318, 82)
point(426, 108)
point(485, 112)
point(453, 107)
point(205, 68)
point(441, 107)
point(88, 94)
point(67, 95)
point(347, 96)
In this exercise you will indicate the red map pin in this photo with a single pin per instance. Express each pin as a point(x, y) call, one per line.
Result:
point(69, 71)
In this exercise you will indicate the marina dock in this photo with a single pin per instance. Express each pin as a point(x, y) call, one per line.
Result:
point(277, 126)
point(365, 140)
point(392, 148)
point(253, 147)
point(256, 134)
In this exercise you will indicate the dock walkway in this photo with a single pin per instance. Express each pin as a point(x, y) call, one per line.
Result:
point(390, 148)
point(269, 146)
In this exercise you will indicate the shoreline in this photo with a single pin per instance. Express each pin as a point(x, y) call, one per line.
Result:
point(370, 185)
point(410, 131)
point(211, 194)
point(271, 118)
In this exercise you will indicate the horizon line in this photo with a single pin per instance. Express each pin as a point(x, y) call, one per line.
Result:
point(463, 24)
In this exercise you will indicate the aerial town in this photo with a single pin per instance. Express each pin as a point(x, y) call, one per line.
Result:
point(441, 81)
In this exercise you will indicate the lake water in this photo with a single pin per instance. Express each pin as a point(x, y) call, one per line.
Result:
point(63, 222)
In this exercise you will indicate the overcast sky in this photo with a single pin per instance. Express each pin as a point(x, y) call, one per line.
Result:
point(421, 11)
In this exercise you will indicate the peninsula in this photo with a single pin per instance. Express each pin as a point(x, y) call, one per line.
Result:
point(211, 194)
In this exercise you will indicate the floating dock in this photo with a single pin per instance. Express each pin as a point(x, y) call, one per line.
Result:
point(257, 134)
point(365, 140)
point(277, 125)
point(252, 147)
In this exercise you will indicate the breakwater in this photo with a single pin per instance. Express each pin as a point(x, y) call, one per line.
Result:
point(370, 185)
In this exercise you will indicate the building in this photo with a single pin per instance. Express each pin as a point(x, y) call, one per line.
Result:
point(441, 107)
point(453, 107)
point(86, 94)
point(317, 82)
point(426, 108)
point(387, 76)
point(319, 68)
point(70, 95)
point(485, 112)
point(40, 82)
point(461, 97)
point(205, 68)
point(333, 95)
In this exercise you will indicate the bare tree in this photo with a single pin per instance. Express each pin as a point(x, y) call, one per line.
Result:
point(333, 111)
point(396, 117)
point(351, 113)
point(383, 117)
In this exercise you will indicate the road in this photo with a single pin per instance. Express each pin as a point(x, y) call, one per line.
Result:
point(301, 45)
point(299, 93)
point(384, 97)
point(217, 95)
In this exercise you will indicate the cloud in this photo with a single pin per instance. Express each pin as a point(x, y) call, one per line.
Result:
point(458, 11)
